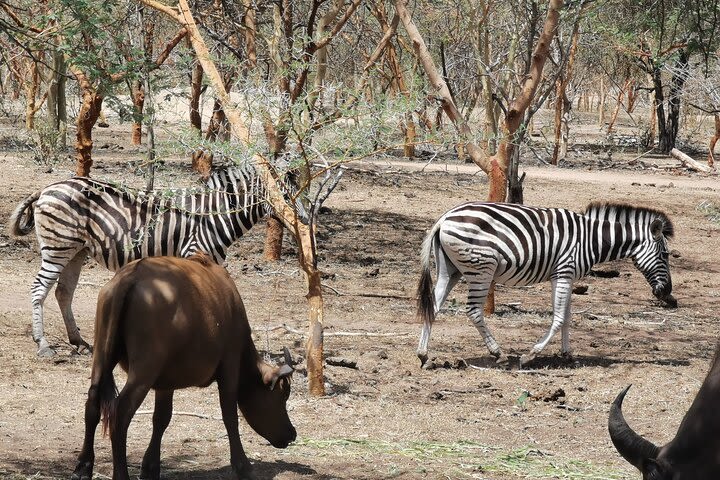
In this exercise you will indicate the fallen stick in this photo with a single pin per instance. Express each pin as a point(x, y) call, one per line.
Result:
point(180, 413)
point(290, 329)
point(689, 162)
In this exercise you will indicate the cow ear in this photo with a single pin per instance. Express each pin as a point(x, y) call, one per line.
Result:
point(656, 229)
point(283, 372)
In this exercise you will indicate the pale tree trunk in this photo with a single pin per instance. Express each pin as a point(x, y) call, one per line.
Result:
point(562, 104)
point(306, 247)
point(713, 141)
point(601, 102)
point(496, 166)
point(56, 100)
point(250, 33)
point(391, 56)
point(137, 90)
point(618, 104)
point(32, 86)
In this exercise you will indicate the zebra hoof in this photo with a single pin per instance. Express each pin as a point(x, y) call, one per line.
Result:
point(423, 359)
point(502, 360)
point(527, 358)
point(45, 352)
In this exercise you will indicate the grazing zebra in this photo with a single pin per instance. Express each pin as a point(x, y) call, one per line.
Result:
point(518, 245)
point(81, 216)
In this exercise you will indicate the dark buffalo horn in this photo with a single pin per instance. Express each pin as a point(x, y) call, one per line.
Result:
point(629, 444)
point(288, 357)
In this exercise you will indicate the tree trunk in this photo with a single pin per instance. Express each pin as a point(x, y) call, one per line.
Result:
point(273, 239)
point(562, 104)
point(195, 92)
point(713, 141)
point(618, 104)
point(669, 136)
point(88, 115)
point(250, 33)
point(307, 255)
point(56, 100)
point(138, 99)
point(31, 88)
point(601, 102)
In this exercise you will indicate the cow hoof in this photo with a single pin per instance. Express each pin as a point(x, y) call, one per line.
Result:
point(83, 471)
point(45, 352)
point(244, 472)
point(84, 348)
point(150, 471)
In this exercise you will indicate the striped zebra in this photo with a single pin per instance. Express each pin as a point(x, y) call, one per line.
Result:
point(81, 216)
point(519, 245)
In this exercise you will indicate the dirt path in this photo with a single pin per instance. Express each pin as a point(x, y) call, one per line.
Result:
point(388, 418)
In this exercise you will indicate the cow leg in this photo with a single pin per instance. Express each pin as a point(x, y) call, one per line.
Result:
point(562, 291)
point(161, 419)
point(64, 292)
point(227, 388)
point(86, 459)
point(478, 288)
point(130, 398)
point(447, 277)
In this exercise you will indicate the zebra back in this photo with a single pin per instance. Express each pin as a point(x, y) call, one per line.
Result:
point(118, 225)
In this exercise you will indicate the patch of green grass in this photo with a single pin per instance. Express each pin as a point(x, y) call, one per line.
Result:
point(466, 458)
point(710, 209)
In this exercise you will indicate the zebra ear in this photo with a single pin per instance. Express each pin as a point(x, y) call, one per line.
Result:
point(656, 229)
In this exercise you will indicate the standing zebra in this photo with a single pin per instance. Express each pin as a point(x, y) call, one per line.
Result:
point(518, 245)
point(81, 216)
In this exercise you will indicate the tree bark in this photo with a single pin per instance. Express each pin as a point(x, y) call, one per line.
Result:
point(88, 115)
point(562, 104)
point(307, 256)
point(273, 239)
point(195, 92)
point(669, 134)
point(138, 99)
point(713, 141)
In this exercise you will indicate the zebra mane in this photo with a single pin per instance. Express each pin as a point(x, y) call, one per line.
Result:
point(603, 209)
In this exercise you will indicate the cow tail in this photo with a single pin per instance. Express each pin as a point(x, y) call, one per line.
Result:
point(20, 222)
point(425, 298)
point(108, 346)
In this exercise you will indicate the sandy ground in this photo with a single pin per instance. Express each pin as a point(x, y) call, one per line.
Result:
point(388, 418)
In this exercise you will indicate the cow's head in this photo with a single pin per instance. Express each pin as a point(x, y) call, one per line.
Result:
point(265, 405)
point(652, 259)
point(634, 448)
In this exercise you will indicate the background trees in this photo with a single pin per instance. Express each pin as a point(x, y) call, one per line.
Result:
point(313, 85)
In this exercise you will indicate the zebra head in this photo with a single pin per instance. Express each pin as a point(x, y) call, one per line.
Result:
point(651, 256)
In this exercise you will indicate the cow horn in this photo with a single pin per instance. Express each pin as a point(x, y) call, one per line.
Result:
point(633, 448)
point(288, 358)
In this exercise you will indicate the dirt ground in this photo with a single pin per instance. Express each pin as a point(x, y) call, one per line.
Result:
point(388, 418)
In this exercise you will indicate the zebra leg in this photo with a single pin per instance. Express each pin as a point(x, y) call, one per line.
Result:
point(447, 277)
point(562, 291)
point(44, 281)
point(64, 292)
point(478, 291)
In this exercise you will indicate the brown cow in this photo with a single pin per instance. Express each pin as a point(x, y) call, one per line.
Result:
point(694, 453)
point(174, 323)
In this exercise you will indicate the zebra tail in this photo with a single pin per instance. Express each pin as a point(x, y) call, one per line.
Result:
point(16, 226)
point(425, 299)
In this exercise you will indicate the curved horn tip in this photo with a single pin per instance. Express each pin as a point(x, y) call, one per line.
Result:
point(621, 396)
point(288, 357)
